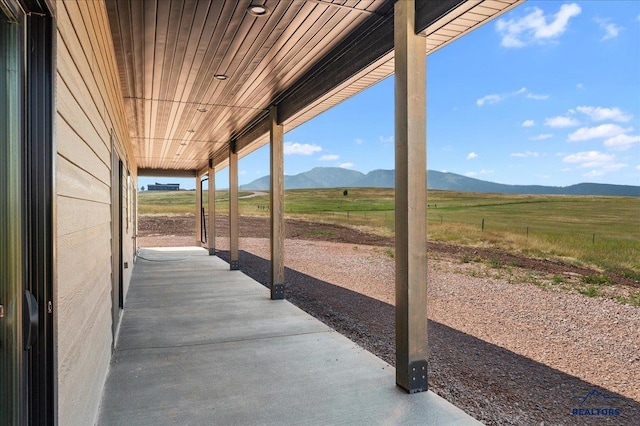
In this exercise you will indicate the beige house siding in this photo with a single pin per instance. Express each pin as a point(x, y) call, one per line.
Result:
point(89, 109)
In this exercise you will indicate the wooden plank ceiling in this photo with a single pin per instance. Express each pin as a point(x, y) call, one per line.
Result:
point(303, 55)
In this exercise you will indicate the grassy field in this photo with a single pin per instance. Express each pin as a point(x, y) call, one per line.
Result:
point(600, 231)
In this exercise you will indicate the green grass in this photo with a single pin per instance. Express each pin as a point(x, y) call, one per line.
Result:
point(595, 280)
point(182, 202)
point(558, 227)
point(591, 291)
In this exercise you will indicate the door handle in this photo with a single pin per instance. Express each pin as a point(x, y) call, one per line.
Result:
point(29, 319)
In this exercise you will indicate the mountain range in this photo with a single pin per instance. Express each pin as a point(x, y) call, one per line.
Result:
point(337, 177)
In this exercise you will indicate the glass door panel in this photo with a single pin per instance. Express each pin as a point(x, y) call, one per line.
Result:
point(11, 351)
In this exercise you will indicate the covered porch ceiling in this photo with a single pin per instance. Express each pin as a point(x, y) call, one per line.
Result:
point(196, 75)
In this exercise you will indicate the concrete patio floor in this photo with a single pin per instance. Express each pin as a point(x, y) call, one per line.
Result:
point(200, 344)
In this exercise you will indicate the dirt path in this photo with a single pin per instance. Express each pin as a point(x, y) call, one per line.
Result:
point(254, 194)
point(503, 349)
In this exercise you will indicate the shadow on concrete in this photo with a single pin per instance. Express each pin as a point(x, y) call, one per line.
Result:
point(491, 383)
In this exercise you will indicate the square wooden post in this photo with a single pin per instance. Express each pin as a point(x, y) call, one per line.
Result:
point(277, 206)
point(411, 214)
point(233, 207)
point(198, 211)
point(211, 226)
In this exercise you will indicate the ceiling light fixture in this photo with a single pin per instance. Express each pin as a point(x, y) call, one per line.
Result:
point(257, 10)
point(202, 110)
point(183, 143)
point(190, 130)
point(220, 76)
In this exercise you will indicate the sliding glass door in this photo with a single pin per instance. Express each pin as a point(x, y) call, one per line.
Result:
point(26, 205)
point(11, 282)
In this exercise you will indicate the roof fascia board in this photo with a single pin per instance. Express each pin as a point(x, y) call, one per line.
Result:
point(429, 11)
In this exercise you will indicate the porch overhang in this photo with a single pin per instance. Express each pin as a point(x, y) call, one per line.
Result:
point(197, 75)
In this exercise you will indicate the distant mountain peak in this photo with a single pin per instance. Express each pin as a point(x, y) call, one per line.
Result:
point(337, 177)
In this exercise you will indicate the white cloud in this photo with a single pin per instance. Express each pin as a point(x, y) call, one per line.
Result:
point(242, 172)
point(593, 173)
point(638, 166)
point(489, 99)
point(542, 137)
point(494, 98)
point(528, 123)
point(601, 114)
point(386, 140)
point(589, 158)
point(622, 142)
point(329, 157)
point(358, 141)
point(611, 30)
point(291, 148)
point(471, 155)
point(595, 160)
point(346, 165)
point(561, 121)
point(535, 26)
point(579, 86)
point(614, 167)
point(537, 97)
point(481, 172)
point(525, 154)
point(601, 131)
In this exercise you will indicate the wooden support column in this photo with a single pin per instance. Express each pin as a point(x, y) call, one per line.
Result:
point(411, 214)
point(277, 206)
point(211, 226)
point(233, 207)
point(198, 211)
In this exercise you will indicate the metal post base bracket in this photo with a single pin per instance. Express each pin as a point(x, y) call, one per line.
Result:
point(277, 292)
point(418, 377)
point(235, 265)
point(212, 252)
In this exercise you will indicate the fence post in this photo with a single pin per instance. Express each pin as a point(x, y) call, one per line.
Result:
point(527, 232)
point(593, 239)
point(482, 225)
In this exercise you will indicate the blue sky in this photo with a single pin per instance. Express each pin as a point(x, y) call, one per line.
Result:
point(547, 94)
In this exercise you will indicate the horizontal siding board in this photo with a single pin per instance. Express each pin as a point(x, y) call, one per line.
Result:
point(85, 268)
point(77, 183)
point(69, 221)
point(84, 321)
point(73, 33)
point(80, 153)
point(72, 88)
